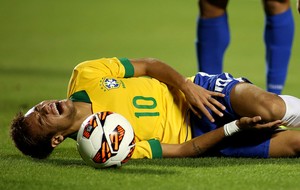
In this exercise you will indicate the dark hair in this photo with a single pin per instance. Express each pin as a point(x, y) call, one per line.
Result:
point(29, 143)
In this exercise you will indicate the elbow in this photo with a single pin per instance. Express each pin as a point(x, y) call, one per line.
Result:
point(151, 60)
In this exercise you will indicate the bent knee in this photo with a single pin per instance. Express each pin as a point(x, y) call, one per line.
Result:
point(250, 100)
point(273, 107)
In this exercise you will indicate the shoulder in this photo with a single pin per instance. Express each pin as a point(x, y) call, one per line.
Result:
point(97, 63)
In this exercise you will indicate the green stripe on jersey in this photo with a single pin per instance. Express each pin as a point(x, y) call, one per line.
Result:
point(129, 70)
point(155, 148)
point(80, 96)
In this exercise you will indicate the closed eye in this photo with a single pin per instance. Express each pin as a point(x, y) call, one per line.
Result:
point(38, 115)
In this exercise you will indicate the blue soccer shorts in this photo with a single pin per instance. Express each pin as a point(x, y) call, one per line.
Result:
point(242, 144)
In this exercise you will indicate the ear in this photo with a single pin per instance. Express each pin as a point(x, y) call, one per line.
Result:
point(56, 140)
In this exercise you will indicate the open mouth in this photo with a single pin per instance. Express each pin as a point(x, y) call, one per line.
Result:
point(58, 107)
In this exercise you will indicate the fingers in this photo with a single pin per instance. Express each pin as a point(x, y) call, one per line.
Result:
point(212, 104)
point(248, 122)
point(214, 101)
point(214, 109)
point(273, 124)
point(202, 107)
point(201, 101)
point(217, 94)
point(256, 119)
point(207, 114)
point(256, 122)
point(204, 111)
point(195, 111)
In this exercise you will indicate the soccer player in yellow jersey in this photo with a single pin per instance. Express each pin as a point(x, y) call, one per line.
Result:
point(172, 116)
point(155, 111)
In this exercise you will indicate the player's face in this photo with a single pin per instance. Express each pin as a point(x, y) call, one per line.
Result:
point(52, 115)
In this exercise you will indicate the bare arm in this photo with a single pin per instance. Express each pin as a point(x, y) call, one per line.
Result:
point(195, 95)
point(201, 144)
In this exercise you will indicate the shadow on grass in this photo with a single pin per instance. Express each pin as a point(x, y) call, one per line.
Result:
point(214, 162)
point(49, 161)
point(70, 159)
point(78, 164)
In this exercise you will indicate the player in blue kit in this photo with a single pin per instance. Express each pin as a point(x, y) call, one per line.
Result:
point(213, 37)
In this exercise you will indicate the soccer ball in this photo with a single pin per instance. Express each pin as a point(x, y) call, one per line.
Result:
point(105, 139)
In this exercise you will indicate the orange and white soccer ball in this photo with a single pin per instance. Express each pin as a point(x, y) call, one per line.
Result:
point(105, 139)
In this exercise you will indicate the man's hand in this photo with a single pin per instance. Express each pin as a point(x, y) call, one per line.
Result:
point(202, 99)
point(256, 123)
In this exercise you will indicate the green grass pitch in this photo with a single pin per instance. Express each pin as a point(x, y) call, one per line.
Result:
point(41, 42)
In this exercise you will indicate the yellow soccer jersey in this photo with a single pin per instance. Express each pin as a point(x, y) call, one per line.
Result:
point(156, 112)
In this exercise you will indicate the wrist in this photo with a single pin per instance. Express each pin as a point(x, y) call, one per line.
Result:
point(184, 86)
point(231, 128)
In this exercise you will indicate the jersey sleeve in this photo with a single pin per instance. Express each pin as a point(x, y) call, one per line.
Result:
point(88, 72)
point(147, 149)
point(115, 67)
point(129, 69)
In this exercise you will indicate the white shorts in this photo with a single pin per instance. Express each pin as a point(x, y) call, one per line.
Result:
point(292, 114)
